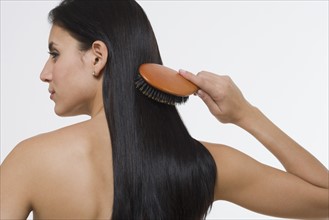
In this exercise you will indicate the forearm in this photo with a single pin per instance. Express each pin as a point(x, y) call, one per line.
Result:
point(295, 159)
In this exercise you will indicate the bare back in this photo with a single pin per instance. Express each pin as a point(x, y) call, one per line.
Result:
point(74, 173)
point(67, 174)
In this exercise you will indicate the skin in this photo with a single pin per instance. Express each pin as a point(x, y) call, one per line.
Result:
point(300, 192)
point(59, 176)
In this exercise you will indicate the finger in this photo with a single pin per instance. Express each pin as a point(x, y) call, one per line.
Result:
point(211, 104)
point(211, 83)
point(189, 76)
point(203, 79)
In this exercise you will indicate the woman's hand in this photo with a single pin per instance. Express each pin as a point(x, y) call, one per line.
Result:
point(223, 98)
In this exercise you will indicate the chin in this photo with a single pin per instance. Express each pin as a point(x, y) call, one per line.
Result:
point(66, 113)
point(62, 112)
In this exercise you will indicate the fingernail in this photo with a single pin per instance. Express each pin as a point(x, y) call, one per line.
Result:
point(181, 71)
point(197, 92)
point(200, 93)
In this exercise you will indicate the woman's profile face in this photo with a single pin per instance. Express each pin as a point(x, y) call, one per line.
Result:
point(68, 71)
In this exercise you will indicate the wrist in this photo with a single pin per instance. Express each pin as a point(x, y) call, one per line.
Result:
point(249, 117)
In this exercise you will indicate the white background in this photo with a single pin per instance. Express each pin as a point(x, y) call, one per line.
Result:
point(275, 51)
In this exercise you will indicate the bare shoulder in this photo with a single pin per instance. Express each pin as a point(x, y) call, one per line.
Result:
point(60, 153)
point(60, 173)
point(47, 149)
point(39, 161)
point(23, 169)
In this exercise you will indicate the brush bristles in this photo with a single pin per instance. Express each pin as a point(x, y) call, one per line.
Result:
point(156, 94)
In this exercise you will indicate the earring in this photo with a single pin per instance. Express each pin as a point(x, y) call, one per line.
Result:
point(94, 74)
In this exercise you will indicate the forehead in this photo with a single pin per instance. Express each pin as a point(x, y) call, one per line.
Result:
point(61, 37)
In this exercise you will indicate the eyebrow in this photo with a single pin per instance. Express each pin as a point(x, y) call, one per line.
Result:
point(51, 46)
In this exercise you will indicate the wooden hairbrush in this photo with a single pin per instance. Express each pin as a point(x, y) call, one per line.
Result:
point(163, 84)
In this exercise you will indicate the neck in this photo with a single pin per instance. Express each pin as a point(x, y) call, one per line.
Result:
point(98, 112)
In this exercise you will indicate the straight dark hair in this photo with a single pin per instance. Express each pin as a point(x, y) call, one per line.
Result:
point(160, 171)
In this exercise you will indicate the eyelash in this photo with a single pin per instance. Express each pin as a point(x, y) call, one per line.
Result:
point(54, 54)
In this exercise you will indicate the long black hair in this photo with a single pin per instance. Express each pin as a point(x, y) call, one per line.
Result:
point(160, 171)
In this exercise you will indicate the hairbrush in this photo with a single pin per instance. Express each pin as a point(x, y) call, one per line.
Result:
point(163, 84)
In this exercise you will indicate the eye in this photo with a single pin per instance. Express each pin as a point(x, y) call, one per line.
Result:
point(53, 54)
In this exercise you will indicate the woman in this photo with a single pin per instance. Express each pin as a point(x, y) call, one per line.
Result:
point(134, 159)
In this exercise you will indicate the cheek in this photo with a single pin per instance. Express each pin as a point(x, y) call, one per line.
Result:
point(67, 72)
point(60, 72)
point(73, 83)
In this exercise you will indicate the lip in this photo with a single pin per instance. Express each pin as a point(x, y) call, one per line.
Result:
point(52, 93)
point(52, 96)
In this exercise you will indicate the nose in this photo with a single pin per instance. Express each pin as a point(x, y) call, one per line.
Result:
point(46, 73)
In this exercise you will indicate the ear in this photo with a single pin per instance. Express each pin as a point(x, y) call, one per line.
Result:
point(100, 54)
